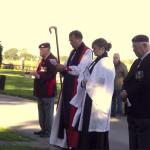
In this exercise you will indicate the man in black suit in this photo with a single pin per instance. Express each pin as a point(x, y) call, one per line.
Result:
point(136, 90)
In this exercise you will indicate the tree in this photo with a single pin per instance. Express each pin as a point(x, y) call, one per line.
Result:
point(11, 54)
point(26, 55)
point(1, 58)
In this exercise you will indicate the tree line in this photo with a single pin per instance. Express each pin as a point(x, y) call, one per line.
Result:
point(15, 54)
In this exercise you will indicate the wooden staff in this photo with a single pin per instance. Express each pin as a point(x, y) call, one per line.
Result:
point(50, 30)
point(58, 56)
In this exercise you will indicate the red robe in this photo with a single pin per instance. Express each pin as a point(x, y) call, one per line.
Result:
point(68, 91)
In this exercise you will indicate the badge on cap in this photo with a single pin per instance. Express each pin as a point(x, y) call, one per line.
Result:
point(44, 45)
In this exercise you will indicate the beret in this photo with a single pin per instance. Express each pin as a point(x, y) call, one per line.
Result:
point(44, 45)
point(140, 38)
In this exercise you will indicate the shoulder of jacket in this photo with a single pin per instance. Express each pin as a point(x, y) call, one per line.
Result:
point(107, 62)
point(123, 64)
point(89, 50)
point(107, 59)
point(52, 56)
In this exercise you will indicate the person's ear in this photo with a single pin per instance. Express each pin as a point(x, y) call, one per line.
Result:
point(145, 45)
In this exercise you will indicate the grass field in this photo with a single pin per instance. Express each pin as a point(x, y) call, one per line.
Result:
point(11, 137)
point(8, 135)
point(17, 84)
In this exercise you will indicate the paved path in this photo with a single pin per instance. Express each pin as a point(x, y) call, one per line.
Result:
point(21, 115)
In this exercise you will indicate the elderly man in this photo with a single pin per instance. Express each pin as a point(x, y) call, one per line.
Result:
point(45, 89)
point(63, 135)
point(136, 90)
point(121, 73)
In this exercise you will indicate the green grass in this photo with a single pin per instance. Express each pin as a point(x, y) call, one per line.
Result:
point(10, 71)
point(17, 84)
point(11, 137)
point(8, 135)
point(18, 147)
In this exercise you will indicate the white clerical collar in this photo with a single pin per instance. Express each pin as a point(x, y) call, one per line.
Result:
point(145, 55)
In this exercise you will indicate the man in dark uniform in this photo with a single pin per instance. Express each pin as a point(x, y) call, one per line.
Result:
point(136, 90)
point(45, 89)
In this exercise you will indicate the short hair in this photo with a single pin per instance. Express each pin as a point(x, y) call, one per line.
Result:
point(140, 38)
point(102, 43)
point(77, 34)
point(117, 54)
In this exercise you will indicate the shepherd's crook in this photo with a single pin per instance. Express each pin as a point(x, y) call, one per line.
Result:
point(58, 56)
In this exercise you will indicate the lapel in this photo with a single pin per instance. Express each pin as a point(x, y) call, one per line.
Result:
point(144, 61)
point(135, 68)
point(132, 71)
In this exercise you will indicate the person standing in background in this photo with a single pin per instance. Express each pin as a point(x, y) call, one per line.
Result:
point(121, 73)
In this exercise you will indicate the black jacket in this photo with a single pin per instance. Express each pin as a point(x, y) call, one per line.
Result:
point(45, 86)
point(137, 85)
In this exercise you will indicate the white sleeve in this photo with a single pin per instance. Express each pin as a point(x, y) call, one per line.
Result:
point(101, 84)
point(65, 64)
point(87, 58)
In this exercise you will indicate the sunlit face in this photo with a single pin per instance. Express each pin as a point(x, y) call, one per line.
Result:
point(116, 59)
point(98, 51)
point(138, 49)
point(44, 52)
point(74, 41)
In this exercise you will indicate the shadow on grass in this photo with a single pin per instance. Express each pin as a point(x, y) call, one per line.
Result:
point(9, 135)
point(22, 136)
point(14, 100)
point(23, 126)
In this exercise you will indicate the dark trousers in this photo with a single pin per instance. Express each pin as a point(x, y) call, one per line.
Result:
point(139, 133)
point(116, 107)
point(45, 110)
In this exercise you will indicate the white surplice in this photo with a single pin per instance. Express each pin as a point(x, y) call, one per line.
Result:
point(99, 87)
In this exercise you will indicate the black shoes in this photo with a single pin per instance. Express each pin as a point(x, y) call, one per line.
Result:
point(38, 132)
point(113, 115)
point(42, 134)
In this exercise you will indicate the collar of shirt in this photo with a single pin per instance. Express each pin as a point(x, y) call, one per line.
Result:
point(46, 56)
point(144, 55)
point(142, 58)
